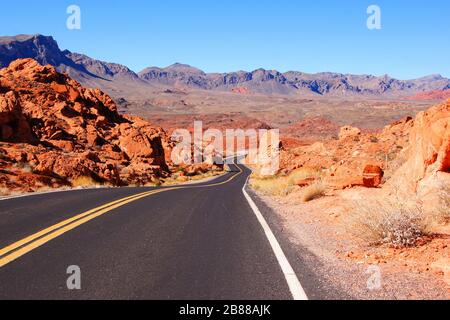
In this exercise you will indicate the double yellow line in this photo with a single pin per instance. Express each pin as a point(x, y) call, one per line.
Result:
point(22, 247)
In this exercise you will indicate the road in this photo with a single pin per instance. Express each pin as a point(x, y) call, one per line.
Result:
point(199, 241)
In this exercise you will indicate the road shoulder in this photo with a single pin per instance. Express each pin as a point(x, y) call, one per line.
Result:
point(320, 250)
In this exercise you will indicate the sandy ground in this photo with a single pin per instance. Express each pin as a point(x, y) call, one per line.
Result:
point(351, 265)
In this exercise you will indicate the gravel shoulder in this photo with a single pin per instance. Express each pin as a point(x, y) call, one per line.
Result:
point(331, 263)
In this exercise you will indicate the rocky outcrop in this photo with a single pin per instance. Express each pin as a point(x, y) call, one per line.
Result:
point(348, 132)
point(372, 176)
point(409, 155)
point(312, 129)
point(240, 90)
point(428, 155)
point(431, 95)
point(55, 128)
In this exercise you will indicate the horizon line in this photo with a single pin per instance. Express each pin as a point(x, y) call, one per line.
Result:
point(235, 71)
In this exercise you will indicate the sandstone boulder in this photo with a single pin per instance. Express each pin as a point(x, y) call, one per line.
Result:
point(372, 176)
point(349, 132)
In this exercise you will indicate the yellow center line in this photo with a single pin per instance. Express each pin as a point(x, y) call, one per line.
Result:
point(59, 225)
point(42, 237)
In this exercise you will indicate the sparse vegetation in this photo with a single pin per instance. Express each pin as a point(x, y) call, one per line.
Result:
point(275, 186)
point(301, 174)
point(314, 191)
point(180, 177)
point(444, 202)
point(24, 167)
point(84, 181)
point(4, 192)
point(397, 221)
point(284, 184)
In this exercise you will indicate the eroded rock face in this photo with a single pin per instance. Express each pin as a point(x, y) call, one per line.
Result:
point(60, 130)
point(428, 163)
point(411, 155)
point(349, 132)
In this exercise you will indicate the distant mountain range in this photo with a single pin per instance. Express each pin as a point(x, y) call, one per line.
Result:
point(118, 80)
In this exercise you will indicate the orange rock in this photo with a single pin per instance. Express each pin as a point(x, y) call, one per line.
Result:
point(240, 90)
point(348, 132)
point(60, 88)
point(74, 132)
point(372, 176)
point(305, 182)
point(429, 152)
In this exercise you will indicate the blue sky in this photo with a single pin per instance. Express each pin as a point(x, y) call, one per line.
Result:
point(220, 36)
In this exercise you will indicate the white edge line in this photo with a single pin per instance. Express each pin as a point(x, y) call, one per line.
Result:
point(297, 291)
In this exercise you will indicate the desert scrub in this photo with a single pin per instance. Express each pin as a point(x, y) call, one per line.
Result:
point(312, 192)
point(394, 221)
point(83, 181)
point(24, 167)
point(4, 192)
point(282, 185)
point(444, 202)
point(274, 186)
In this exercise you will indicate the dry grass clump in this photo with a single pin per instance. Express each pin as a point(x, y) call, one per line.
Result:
point(180, 177)
point(302, 174)
point(23, 167)
point(312, 192)
point(395, 221)
point(284, 184)
point(4, 192)
point(84, 181)
point(275, 186)
point(444, 202)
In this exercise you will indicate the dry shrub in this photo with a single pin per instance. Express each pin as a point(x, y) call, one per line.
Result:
point(301, 174)
point(23, 167)
point(180, 177)
point(395, 221)
point(281, 185)
point(84, 181)
point(4, 192)
point(275, 186)
point(444, 202)
point(312, 192)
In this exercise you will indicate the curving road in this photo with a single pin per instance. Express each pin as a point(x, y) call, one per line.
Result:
point(188, 242)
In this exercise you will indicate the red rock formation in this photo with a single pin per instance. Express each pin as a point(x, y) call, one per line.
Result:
point(61, 131)
point(311, 129)
point(411, 154)
point(428, 156)
point(342, 162)
point(240, 90)
point(348, 132)
point(431, 95)
point(372, 176)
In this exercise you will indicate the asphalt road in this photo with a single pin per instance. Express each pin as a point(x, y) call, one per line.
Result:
point(191, 242)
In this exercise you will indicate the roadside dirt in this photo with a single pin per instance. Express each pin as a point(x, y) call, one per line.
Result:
point(351, 265)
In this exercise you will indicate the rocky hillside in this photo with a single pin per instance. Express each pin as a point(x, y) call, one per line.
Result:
point(289, 83)
point(54, 132)
point(412, 154)
point(120, 81)
point(45, 50)
point(431, 95)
